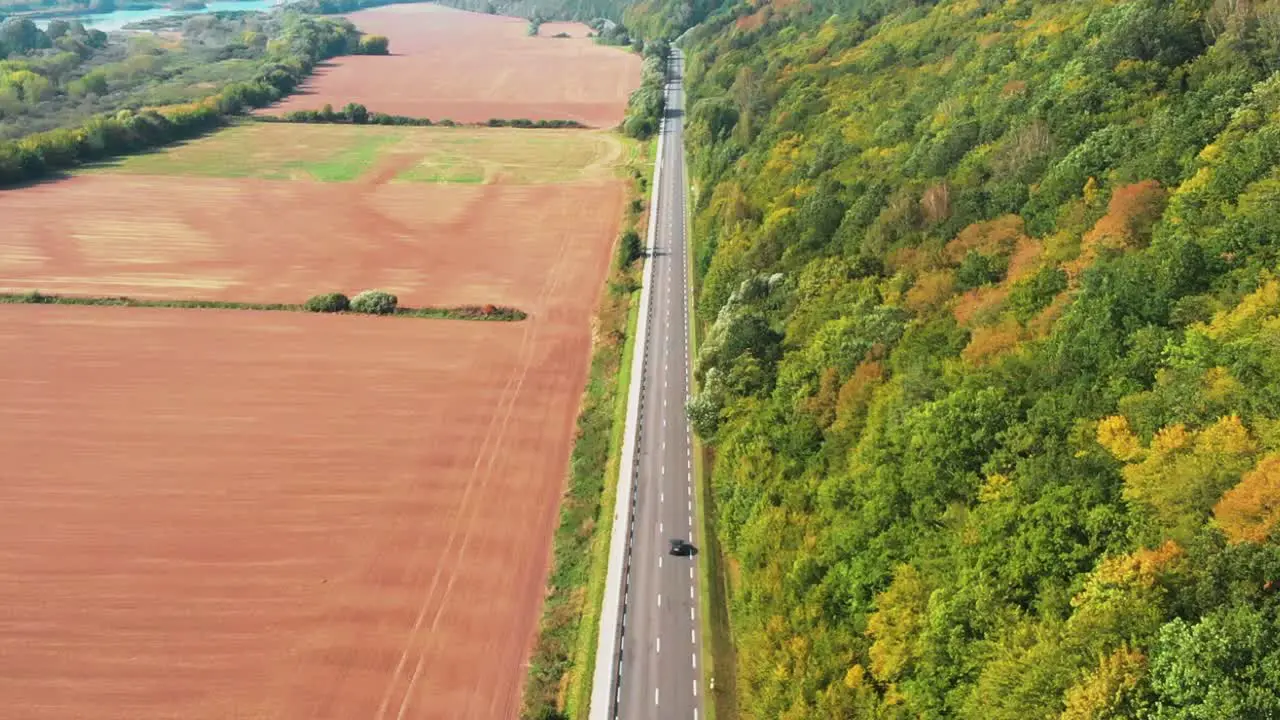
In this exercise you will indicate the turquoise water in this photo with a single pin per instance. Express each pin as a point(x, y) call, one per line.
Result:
point(118, 19)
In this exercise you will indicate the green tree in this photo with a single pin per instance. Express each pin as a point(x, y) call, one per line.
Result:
point(630, 248)
point(355, 113)
point(374, 302)
point(373, 45)
point(328, 303)
point(1225, 666)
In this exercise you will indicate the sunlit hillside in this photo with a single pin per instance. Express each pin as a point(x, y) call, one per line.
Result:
point(992, 363)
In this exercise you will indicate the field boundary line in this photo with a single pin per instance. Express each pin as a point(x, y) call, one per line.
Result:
point(607, 670)
point(480, 313)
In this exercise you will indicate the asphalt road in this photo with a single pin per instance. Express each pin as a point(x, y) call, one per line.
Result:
point(660, 673)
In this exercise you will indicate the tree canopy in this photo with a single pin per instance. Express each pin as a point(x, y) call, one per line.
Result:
point(991, 362)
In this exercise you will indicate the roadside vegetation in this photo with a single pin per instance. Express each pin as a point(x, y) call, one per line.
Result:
point(992, 308)
point(369, 302)
point(559, 681)
point(649, 101)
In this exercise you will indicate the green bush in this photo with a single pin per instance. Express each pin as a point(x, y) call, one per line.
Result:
point(629, 248)
point(372, 45)
point(977, 270)
point(327, 303)
point(374, 302)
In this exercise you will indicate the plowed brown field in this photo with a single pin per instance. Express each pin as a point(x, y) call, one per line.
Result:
point(231, 514)
point(470, 67)
point(223, 514)
point(175, 236)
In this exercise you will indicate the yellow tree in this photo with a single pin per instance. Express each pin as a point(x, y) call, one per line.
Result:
point(1110, 691)
point(1183, 472)
point(896, 624)
point(1249, 511)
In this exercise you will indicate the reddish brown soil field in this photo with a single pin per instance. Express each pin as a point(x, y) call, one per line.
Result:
point(470, 67)
point(266, 241)
point(228, 514)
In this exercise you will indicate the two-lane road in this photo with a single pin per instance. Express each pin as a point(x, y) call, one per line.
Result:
point(660, 673)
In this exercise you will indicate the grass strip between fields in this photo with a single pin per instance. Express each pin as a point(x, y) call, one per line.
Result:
point(558, 685)
point(462, 312)
point(349, 115)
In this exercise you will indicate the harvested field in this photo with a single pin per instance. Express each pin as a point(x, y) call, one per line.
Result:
point(268, 515)
point(470, 67)
point(345, 153)
point(431, 214)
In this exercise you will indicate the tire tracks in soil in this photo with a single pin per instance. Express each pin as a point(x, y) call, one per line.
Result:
point(469, 507)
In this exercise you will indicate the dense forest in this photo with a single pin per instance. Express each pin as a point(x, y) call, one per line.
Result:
point(65, 74)
point(991, 369)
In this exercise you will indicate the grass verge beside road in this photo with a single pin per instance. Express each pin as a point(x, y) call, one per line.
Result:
point(577, 696)
point(560, 669)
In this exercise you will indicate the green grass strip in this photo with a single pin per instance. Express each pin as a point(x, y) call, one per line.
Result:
point(318, 117)
point(555, 657)
point(558, 686)
point(462, 312)
point(578, 698)
point(717, 656)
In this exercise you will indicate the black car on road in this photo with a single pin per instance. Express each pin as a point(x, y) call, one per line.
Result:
point(680, 547)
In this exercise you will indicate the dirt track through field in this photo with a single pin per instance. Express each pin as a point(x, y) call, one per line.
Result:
point(471, 67)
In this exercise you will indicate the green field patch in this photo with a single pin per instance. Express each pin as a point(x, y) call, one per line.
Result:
point(243, 151)
point(487, 155)
point(346, 153)
point(445, 168)
point(347, 164)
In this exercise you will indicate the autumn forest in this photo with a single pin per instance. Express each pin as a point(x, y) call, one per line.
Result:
point(990, 372)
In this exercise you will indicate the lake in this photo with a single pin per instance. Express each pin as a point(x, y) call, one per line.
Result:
point(107, 22)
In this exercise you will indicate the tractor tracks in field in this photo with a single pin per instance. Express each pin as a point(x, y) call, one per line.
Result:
point(403, 682)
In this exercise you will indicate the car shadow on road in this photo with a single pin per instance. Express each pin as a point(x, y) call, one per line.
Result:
point(685, 550)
